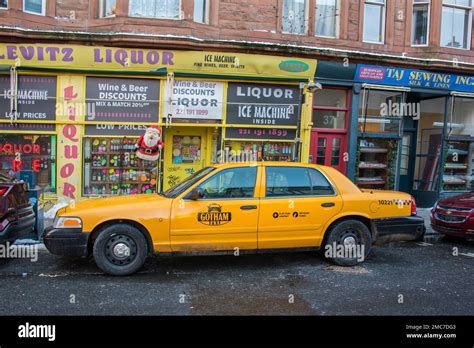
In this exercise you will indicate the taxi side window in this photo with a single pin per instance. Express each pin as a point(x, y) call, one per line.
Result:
point(320, 185)
point(230, 183)
point(287, 181)
point(296, 181)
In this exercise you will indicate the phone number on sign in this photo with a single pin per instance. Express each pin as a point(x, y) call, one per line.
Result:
point(260, 132)
point(198, 112)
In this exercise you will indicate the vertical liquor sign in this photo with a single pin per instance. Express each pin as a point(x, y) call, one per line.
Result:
point(70, 109)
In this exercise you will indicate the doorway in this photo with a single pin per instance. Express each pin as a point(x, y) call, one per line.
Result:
point(328, 149)
point(185, 152)
point(328, 141)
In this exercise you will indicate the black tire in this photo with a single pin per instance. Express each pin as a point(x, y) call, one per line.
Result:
point(120, 249)
point(347, 232)
point(453, 239)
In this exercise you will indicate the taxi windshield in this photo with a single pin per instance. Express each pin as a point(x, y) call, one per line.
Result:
point(186, 183)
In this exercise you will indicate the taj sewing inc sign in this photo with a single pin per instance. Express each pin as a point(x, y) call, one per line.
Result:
point(414, 78)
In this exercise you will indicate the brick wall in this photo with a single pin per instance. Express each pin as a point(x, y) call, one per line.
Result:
point(248, 20)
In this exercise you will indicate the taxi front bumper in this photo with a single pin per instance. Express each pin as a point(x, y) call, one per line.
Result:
point(398, 229)
point(66, 241)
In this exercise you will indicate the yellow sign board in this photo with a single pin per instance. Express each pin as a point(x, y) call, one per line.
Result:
point(137, 59)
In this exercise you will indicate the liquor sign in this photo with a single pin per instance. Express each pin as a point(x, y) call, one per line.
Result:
point(122, 100)
point(192, 99)
point(263, 104)
point(137, 59)
point(36, 96)
point(260, 133)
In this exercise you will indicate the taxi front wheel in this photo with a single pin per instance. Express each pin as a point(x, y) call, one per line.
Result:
point(120, 249)
point(348, 243)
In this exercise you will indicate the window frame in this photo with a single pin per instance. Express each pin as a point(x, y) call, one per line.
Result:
point(469, 33)
point(347, 110)
point(5, 8)
point(206, 179)
point(53, 141)
point(300, 196)
point(180, 15)
point(207, 6)
point(306, 20)
point(102, 4)
point(384, 20)
point(337, 24)
point(428, 25)
point(43, 8)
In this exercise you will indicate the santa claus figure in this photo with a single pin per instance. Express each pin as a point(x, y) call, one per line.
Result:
point(148, 146)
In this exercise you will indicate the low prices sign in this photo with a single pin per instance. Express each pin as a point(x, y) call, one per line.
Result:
point(194, 100)
point(263, 104)
point(264, 133)
point(36, 96)
point(122, 100)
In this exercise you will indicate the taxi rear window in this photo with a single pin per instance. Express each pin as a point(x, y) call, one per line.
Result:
point(296, 181)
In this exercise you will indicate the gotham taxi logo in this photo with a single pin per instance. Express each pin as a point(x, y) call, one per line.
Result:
point(214, 216)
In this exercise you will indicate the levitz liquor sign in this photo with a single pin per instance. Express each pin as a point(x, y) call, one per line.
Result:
point(214, 216)
point(111, 58)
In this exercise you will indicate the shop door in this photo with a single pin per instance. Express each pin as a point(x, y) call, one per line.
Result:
point(328, 149)
point(184, 153)
point(407, 162)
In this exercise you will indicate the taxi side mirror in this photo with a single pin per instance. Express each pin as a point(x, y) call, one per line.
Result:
point(195, 194)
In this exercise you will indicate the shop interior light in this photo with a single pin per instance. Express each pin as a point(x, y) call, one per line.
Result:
point(450, 125)
point(373, 120)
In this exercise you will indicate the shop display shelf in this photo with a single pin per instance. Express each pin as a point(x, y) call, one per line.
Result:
point(373, 150)
point(373, 166)
point(457, 166)
point(455, 182)
point(457, 151)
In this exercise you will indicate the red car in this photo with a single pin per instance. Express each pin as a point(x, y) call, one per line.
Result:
point(454, 216)
point(17, 217)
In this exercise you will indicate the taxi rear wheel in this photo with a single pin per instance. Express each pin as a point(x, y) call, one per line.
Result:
point(348, 243)
point(120, 249)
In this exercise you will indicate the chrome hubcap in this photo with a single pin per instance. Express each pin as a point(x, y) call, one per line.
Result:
point(121, 250)
point(349, 241)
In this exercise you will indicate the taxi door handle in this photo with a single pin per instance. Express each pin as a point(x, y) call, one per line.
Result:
point(328, 204)
point(248, 207)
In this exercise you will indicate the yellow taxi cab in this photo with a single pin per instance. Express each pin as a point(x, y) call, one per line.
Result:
point(237, 207)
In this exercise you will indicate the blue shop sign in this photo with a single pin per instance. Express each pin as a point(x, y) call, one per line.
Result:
point(414, 78)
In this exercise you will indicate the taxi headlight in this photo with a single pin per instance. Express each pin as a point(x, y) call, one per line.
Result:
point(67, 222)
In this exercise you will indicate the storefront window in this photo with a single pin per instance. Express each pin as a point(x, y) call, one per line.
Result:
point(382, 111)
point(377, 163)
point(242, 151)
point(459, 151)
point(112, 168)
point(186, 149)
point(428, 150)
point(31, 158)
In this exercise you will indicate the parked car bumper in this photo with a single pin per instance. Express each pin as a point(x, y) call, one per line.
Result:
point(398, 229)
point(462, 228)
point(66, 241)
point(17, 229)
